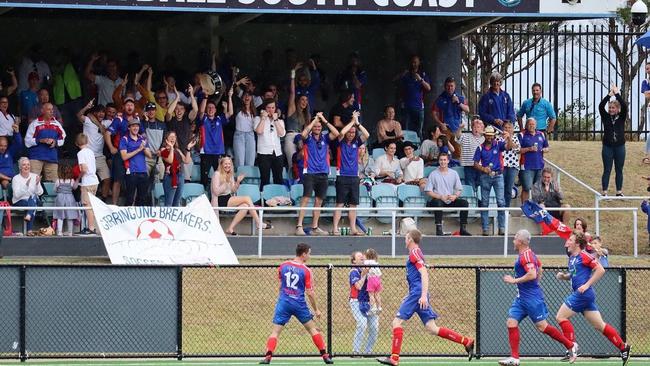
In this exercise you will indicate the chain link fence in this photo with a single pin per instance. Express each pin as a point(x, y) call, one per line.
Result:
point(123, 311)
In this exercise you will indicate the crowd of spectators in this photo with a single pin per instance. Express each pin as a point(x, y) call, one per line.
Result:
point(140, 127)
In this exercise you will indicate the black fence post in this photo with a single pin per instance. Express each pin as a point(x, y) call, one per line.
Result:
point(179, 310)
point(624, 303)
point(330, 268)
point(556, 78)
point(23, 313)
point(477, 274)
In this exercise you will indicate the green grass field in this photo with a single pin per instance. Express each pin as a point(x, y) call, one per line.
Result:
point(315, 361)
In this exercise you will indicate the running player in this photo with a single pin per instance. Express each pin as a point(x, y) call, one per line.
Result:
point(584, 272)
point(296, 282)
point(529, 301)
point(417, 301)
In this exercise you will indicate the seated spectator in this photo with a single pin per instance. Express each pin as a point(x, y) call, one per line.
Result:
point(224, 187)
point(7, 120)
point(297, 160)
point(366, 164)
point(412, 166)
point(26, 188)
point(44, 136)
point(7, 157)
point(173, 156)
point(387, 166)
point(389, 130)
point(429, 149)
point(444, 188)
point(533, 146)
point(547, 194)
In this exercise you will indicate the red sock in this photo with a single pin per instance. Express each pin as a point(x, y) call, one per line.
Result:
point(513, 338)
point(567, 330)
point(613, 337)
point(319, 342)
point(453, 336)
point(557, 335)
point(398, 334)
point(271, 343)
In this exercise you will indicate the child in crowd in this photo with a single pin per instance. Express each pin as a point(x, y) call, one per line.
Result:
point(600, 252)
point(374, 281)
point(444, 146)
point(64, 186)
point(297, 160)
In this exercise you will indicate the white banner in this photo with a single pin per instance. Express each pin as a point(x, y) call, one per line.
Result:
point(163, 235)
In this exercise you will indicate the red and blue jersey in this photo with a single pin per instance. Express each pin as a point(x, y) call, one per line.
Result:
point(533, 159)
point(526, 262)
point(120, 128)
point(414, 262)
point(211, 130)
point(137, 163)
point(355, 293)
point(295, 279)
point(580, 267)
point(44, 129)
point(490, 156)
point(347, 157)
point(316, 154)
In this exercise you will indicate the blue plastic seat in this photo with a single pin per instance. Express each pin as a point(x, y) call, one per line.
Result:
point(196, 173)
point(365, 201)
point(428, 170)
point(330, 199)
point(192, 191)
point(411, 136)
point(461, 172)
point(296, 193)
point(411, 196)
point(158, 194)
point(251, 173)
point(274, 190)
point(384, 195)
point(250, 190)
point(377, 152)
point(331, 176)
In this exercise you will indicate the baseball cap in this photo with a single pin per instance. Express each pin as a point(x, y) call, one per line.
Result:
point(489, 131)
point(150, 106)
point(127, 100)
point(134, 121)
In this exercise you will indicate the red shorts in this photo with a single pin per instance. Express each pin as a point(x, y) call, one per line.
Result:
point(374, 284)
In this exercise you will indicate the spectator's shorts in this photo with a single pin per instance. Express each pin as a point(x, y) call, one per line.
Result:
point(347, 190)
point(315, 183)
point(117, 169)
point(102, 168)
point(85, 191)
point(528, 177)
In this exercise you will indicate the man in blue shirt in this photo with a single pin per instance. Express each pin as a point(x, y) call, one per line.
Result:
point(316, 157)
point(450, 107)
point(347, 169)
point(414, 83)
point(496, 106)
point(487, 160)
point(133, 149)
point(533, 146)
point(538, 108)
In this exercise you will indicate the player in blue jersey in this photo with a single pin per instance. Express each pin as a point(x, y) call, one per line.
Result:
point(529, 301)
point(584, 272)
point(417, 301)
point(296, 282)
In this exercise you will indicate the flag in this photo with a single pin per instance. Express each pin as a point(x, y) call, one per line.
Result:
point(547, 222)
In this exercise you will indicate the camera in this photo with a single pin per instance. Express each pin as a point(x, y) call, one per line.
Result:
point(639, 12)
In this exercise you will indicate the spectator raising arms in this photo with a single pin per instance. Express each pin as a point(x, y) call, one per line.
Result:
point(94, 132)
point(211, 126)
point(7, 120)
point(244, 138)
point(298, 116)
point(613, 120)
point(269, 128)
point(181, 123)
point(174, 157)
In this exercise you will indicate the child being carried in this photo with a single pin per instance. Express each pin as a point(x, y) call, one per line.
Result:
point(374, 281)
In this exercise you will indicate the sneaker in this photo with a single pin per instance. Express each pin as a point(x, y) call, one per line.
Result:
point(619, 194)
point(327, 359)
point(300, 231)
point(86, 231)
point(373, 310)
point(318, 231)
point(625, 354)
point(566, 357)
point(502, 232)
point(464, 232)
point(486, 233)
point(573, 353)
point(510, 361)
point(265, 361)
point(470, 350)
point(387, 361)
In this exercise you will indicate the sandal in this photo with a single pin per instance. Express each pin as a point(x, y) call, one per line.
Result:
point(232, 233)
point(359, 233)
point(267, 226)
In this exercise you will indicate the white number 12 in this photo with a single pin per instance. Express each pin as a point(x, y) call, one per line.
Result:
point(292, 280)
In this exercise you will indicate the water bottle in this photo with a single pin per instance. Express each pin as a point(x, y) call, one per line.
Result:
point(535, 145)
point(491, 171)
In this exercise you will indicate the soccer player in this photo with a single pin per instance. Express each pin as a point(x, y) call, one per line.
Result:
point(529, 301)
point(584, 272)
point(296, 282)
point(417, 301)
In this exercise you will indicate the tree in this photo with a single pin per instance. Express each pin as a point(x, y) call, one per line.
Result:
point(574, 115)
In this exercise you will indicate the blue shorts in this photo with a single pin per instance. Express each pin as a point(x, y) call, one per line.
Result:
point(582, 302)
point(529, 177)
point(285, 309)
point(117, 168)
point(534, 308)
point(410, 306)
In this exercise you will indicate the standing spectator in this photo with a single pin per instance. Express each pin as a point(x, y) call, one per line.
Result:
point(412, 166)
point(298, 116)
point(43, 97)
point(118, 129)
point(414, 83)
point(105, 84)
point(26, 188)
point(360, 306)
point(33, 62)
point(347, 169)
point(469, 142)
point(533, 146)
point(134, 151)
point(63, 186)
point(224, 187)
point(429, 149)
point(444, 188)
point(450, 107)
point(341, 113)
point(387, 166)
point(173, 156)
point(547, 193)
point(143, 95)
point(211, 127)
point(269, 128)
point(613, 121)
point(7, 120)
point(308, 79)
point(495, 107)
point(389, 130)
point(645, 207)
point(510, 163)
point(540, 110)
point(42, 140)
point(181, 123)
point(353, 78)
point(8, 155)
point(87, 166)
point(94, 132)
point(29, 97)
point(154, 130)
point(487, 160)
point(5, 92)
point(244, 138)
point(316, 168)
